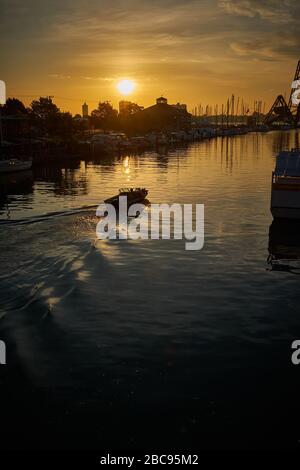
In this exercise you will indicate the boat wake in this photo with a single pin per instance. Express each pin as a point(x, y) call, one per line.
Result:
point(48, 216)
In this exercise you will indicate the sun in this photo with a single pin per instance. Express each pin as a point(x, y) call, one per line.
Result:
point(126, 87)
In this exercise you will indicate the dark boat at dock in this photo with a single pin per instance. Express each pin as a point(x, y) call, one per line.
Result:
point(13, 165)
point(134, 196)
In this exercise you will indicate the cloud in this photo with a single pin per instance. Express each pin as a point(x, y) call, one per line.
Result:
point(274, 11)
point(186, 46)
point(150, 33)
point(104, 79)
point(59, 76)
point(269, 46)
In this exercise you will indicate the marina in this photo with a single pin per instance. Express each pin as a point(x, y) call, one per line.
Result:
point(122, 332)
point(149, 230)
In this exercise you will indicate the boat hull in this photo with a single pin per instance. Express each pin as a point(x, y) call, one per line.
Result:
point(130, 202)
point(133, 197)
point(13, 168)
point(285, 202)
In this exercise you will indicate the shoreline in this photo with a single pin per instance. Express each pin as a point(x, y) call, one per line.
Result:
point(115, 143)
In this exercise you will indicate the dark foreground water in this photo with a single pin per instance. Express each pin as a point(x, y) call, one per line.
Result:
point(141, 344)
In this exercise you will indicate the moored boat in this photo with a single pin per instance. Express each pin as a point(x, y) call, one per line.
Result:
point(13, 165)
point(285, 196)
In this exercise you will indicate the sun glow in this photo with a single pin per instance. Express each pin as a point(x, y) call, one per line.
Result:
point(126, 87)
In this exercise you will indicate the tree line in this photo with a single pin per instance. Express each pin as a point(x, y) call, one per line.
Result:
point(43, 117)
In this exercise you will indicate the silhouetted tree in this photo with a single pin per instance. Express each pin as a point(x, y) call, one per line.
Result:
point(104, 117)
point(48, 118)
point(79, 124)
point(126, 114)
point(63, 125)
point(130, 109)
point(13, 107)
point(43, 108)
point(15, 123)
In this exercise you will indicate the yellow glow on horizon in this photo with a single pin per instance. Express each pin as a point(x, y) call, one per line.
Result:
point(126, 87)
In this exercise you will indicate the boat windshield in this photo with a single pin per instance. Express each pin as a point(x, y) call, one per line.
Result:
point(288, 163)
point(129, 190)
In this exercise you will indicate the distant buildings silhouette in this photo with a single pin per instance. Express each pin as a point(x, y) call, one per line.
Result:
point(133, 118)
point(85, 110)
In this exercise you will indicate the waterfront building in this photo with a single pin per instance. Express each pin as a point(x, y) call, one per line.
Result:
point(161, 100)
point(180, 106)
point(163, 117)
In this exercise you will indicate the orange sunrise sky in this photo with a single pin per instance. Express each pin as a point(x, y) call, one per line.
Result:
point(192, 51)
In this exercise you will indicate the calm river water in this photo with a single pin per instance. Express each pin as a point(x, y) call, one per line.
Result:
point(141, 344)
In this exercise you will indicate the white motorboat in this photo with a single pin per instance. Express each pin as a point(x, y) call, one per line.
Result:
point(285, 198)
point(13, 165)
